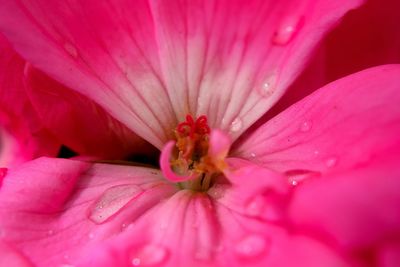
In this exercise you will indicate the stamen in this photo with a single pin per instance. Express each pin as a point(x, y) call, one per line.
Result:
point(165, 165)
point(198, 155)
point(199, 126)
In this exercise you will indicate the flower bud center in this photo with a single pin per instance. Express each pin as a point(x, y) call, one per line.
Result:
point(192, 146)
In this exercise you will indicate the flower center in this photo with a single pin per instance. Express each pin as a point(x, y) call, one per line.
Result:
point(197, 157)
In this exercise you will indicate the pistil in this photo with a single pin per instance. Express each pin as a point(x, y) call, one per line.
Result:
point(197, 155)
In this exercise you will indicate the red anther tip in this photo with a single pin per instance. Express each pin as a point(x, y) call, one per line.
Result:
point(189, 119)
point(190, 126)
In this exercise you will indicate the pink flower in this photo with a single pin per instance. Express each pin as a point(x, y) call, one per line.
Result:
point(317, 185)
point(52, 115)
point(20, 139)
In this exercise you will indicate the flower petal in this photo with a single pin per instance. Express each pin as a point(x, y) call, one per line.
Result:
point(347, 49)
point(189, 229)
point(71, 205)
point(389, 255)
point(9, 256)
point(196, 229)
point(150, 64)
point(252, 190)
point(339, 127)
point(78, 122)
point(22, 134)
point(104, 50)
point(357, 209)
point(240, 59)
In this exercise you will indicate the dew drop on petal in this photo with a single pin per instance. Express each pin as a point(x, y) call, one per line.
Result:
point(293, 181)
point(251, 246)
point(287, 29)
point(149, 255)
point(256, 206)
point(331, 162)
point(295, 177)
point(217, 191)
point(112, 200)
point(50, 232)
point(305, 126)
point(236, 125)
point(252, 155)
point(268, 86)
point(71, 50)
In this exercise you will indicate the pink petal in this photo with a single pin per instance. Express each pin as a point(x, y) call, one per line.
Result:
point(22, 134)
point(339, 127)
point(150, 64)
point(220, 144)
point(78, 122)
point(66, 206)
point(106, 51)
point(389, 255)
point(252, 190)
point(349, 46)
point(9, 256)
point(231, 60)
point(357, 209)
point(191, 230)
point(348, 49)
point(71, 212)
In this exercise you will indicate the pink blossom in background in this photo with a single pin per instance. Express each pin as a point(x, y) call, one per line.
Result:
point(316, 185)
point(52, 115)
point(22, 135)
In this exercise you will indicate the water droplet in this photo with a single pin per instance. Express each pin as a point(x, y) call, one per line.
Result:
point(293, 182)
point(251, 246)
point(149, 255)
point(305, 126)
point(112, 200)
point(256, 206)
point(217, 191)
point(331, 162)
point(287, 29)
point(268, 86)
point(253, 155)
point(295, 177)
point(50, 232)
point(236, 125)
point(71, 49)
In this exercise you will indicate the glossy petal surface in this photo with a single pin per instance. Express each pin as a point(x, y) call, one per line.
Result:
point(339, 127)
point(78, 122)
point(149, 63)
